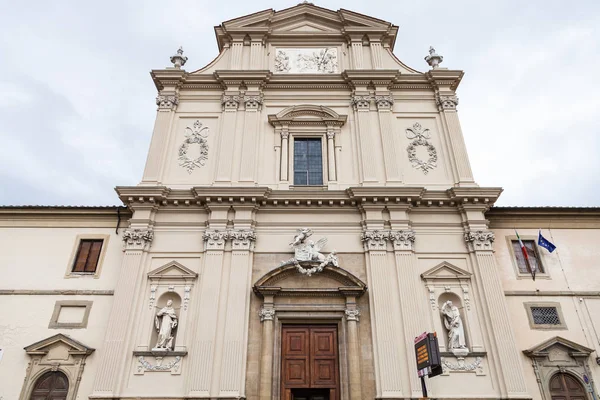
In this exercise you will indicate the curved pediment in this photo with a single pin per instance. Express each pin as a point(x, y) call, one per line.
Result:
point(288, 281)
point(307, 114)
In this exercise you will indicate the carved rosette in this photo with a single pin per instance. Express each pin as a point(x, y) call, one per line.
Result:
point(375, 239)
point(352, 315)
point(480, 240)
point(447, 102)
point(137, 239)
point(167, 101)
point(230, 102)
point(214, 239)
point(384, 102)
point(403, 239)
point(266, 314)
point(361, 102)
point(253, 102)
point(242, 239)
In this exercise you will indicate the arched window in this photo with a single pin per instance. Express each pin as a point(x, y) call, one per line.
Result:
point(53, 385)
point(565, 386)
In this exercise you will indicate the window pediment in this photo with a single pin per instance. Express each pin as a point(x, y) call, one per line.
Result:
point(307, 114)
point(544, 349)
point(44, 346)
point(445, 271)
point(172, 270)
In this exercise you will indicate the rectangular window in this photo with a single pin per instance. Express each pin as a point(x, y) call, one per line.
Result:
point(308, 162)
point(545, 316)
point(88, 253)
point(532, 252)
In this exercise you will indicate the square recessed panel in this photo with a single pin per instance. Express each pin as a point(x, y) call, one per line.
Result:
point(71, 314)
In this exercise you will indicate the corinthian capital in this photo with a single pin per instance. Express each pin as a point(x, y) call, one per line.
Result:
point(352, 314)
point(447, 102)
point(266, 314)
point(384, 102)
point(253, 102)
point(480, 240)
point(167, 101)
point(230, 102)
point(214, 239)
point(137, 239)
point(242, 239)
point(375, 239)
point(361, 102)
point(403, 239)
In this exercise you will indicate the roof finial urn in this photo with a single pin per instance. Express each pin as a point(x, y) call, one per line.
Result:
point(433, 59)
point(179, 59)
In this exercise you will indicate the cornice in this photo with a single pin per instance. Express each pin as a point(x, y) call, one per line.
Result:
point(167, 77)
point(236, 77)
point(447, 79)
point(544, 217)
point(363, 77)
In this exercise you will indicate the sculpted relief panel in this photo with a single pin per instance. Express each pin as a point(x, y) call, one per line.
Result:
point(322, 60)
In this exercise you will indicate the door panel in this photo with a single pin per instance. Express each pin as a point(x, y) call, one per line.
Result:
point(51, 386)
point(309, 360)
point(566, 387)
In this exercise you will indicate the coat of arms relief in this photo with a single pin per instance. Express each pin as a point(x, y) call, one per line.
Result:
point(308, 253)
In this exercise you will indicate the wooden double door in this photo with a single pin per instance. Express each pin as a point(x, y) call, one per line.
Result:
point(566, 387)
point(310, 366)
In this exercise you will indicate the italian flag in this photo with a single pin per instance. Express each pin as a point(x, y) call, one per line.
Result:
point(524, 250)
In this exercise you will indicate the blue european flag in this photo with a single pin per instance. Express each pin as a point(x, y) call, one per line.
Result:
point(545, 243)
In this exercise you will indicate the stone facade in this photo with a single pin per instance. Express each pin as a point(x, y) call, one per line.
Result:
point(212, 235)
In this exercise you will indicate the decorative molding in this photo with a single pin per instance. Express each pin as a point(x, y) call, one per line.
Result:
point(186, 297)
point(361, 102)
point(179, 59)
point(55, 292)
point(309, 252)
point(167, 101)
point(196, 134)
point(230, 102)
point(214, 239)
point(242, 239)
point(172, 366)
point(433, 59)
point(374, 239)
point(403, 239)
point(253, 102)
point(480, 240)
point(352, 315)
point(384, 102)
point(462, 366)
point(419, 138)
point(285, 134)
point(447, 102)
point(432, 299)
point(266, 314)
point(306, 60)
point(152, 296)
point(466, 297)
point(137, 239)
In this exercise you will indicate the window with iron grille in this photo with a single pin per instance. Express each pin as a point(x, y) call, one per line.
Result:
point(545, 316)
point(532, 252)
point(308, 162)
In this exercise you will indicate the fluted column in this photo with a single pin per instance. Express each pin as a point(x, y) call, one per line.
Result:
point(384, 104)
point(233, 366)
point(502, 338)
point(202, 353)
point(114, 353)
point(230, 101)
point(376, 52)
point(366, 140)
point(167, 102)
point(447, 105)
point(266, 314)
point(253, 104)
point(384, 314)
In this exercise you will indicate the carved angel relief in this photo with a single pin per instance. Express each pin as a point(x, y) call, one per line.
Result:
point(419, 138)
point(197, 134)
point(308, 252)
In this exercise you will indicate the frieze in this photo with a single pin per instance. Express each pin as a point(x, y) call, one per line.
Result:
point(172, 366)
point(306, 60)
point(463, 366)
point(419, 137)
point(137, 239)
point(480, 240)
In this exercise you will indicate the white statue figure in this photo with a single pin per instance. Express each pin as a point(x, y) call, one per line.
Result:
point(453, 322)
point(303, 234)
point(165, 321)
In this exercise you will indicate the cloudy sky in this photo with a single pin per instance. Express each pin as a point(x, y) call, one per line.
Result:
point(77, 102)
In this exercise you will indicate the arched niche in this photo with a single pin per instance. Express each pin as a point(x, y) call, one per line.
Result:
point(558, 355)
point(307, 121)
point(162, 302)
point(456, 301)
point(55, 354)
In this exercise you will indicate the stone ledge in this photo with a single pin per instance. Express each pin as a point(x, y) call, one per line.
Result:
point(148, 353)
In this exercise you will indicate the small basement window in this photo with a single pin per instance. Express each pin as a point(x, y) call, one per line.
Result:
point(545, 316)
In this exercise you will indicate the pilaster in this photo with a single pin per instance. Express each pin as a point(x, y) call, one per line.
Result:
point(230, 101)
point(384, 102)
point(253, 104)
point(361, 100)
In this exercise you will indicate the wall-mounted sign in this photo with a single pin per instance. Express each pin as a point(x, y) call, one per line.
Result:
point(306, 60)
point(428, 355)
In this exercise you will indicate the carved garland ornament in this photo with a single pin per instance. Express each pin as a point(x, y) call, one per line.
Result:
point(463, 366)
point(195, 135)
point(419, 138)
point(159, 365)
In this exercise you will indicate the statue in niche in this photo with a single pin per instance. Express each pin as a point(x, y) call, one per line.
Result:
point(165, 322)
point(453, 322)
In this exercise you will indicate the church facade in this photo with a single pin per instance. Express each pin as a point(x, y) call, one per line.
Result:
point(307, 209)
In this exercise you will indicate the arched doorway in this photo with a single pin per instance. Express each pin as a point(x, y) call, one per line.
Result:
point(53, 385)
point(566, 387)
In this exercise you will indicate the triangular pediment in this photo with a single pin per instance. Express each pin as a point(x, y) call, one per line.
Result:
point(446, 270)
point(543, 349)
point(172, 270)
point(73, 346)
